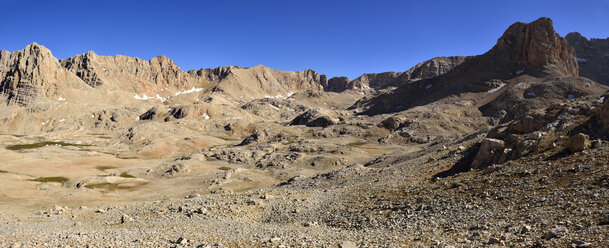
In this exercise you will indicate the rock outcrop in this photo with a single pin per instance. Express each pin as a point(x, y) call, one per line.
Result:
point(315, 118)
point(491, 151)
point(592, 56)
point(32, 73)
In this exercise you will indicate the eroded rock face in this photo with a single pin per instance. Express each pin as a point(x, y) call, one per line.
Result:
point(592, 56)
point(33, 72)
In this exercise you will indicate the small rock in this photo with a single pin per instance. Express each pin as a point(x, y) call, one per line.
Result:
point(461, 148)
point(126, 218)
point(275, 239)
point(493, 241)
point(267, 197)
point(182, 241)
point(556, 232)
point(579, 243)
point(347, 244)
point(100, 211)
point(525, 229)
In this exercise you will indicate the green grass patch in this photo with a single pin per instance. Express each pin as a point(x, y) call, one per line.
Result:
point(126, 175)
point(108, 186)
point(358, 143)
point(61, 180)
point(39, 145)
point(289, 142)
point(210, 159)
point(224, 168)
point(370, 135)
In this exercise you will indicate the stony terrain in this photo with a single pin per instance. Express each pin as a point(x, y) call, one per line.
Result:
point(505, 149)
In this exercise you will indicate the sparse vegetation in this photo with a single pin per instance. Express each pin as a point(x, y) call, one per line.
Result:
point(126, 175)
point(39, 145)
point(289, 142)
point(357, 143)
point(61, 180)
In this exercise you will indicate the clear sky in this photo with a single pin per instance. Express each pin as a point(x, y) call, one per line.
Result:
point(332, 37)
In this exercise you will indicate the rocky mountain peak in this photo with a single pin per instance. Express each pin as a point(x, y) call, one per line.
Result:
point(537, 49)
point(30, 73)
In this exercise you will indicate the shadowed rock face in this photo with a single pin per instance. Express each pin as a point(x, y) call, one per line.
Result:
point(33, 72)
point(592, 56)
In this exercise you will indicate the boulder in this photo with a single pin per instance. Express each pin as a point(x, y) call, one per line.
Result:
point(491, 151)
point(578, 142)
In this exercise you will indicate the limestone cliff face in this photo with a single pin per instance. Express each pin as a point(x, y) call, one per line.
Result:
point(592, 56)
point(32, 73)
point(131, 73)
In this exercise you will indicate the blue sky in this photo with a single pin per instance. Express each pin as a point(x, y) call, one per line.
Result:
point(332, 37)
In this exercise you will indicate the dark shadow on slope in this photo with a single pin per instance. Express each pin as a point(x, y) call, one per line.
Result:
point(463, 165)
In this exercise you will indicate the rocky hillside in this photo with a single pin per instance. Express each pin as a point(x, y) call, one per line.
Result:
point(592, 56)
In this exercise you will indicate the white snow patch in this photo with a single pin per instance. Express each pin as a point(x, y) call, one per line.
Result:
point(144, 97)
point(582, 60)
point(61, 99)
point(496, 89)
point(193, 90)
point(161, 98)
point(206, 116)
point(570, 96)
point(428, 86)
point(292, 93)
point(289, 109)
point(137, 118)
point(274, 107)
point(519, 72)
point(62, 120)
point(277, 96)
point(92, 116)
point(44, 123)
point(531, 94)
